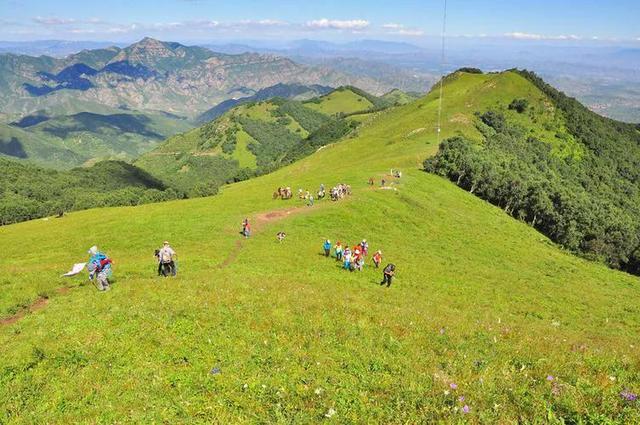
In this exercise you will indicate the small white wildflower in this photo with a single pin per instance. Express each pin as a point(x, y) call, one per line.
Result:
point(245, 386)
point(330, 413)
point(318, 391)
point(446, 392)
point(612, 378)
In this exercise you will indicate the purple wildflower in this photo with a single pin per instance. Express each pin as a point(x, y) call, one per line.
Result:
point(628, 395)
point(461, 398)
point(465, 409)
point(453, 386)
point(550, 378)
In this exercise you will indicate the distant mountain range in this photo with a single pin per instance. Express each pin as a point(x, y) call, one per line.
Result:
point(154, 75)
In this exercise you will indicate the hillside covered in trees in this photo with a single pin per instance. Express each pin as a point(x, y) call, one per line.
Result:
point(28, 191)
point(579, 185)
point(256, 138)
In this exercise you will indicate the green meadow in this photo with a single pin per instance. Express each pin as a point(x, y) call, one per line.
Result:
point(487, 320)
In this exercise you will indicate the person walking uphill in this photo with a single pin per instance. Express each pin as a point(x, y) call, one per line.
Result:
point(167, 258)
point(387, 274)
point(246, 228)
point(99, 266)
point(377, 258)
point(339, 251)
point(327, 248)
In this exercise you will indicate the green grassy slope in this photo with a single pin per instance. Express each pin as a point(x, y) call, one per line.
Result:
point(399, 97)
point(343, 100)
point(249, 139)
point(481, 301)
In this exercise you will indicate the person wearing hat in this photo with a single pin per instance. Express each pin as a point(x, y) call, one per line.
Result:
point(377, 258)
point(327, 248)
point(99, 266)
point(364, 247)
point(167, 256)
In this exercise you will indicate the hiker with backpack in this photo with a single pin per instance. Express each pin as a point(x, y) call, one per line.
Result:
point(99, 266)
point(377, 258)
point(387, 274)
point(327, 248)
point(167, 257)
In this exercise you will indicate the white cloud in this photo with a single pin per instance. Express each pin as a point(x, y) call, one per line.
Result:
point(399, 29)
point(266, 23)
point(530, 36)
point(54, 20)
point(353, 24)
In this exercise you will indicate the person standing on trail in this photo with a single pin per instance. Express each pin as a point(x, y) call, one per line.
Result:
point(383, 182)
point(246, 228)
point(338, 248)
point(99, 266)
point(387, 274)
point(310, 204)
point(167, 259)
point(377, 258)
point(364, 247)
point(347, 258)
point(326, 246)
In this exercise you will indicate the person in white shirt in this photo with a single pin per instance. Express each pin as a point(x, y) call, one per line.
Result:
point(166, 257)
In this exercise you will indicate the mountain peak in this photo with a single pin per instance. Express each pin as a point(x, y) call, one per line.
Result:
point(148, 42)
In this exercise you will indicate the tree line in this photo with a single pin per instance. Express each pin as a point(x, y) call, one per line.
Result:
point(589, 205)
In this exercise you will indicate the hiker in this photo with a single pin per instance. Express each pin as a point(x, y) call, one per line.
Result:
point(387, 274)
point(167, 259)
point(377, 258)
point(364, 247)
point(371, 181)
point(246, 228)
point(321, 188)
point(310, 203)
point(280, 236)
point(99, 266)
point(347, 258)
point(359, 263)
point(383, 182)
point(327, 248)
point(338, 248)
point(356, 257)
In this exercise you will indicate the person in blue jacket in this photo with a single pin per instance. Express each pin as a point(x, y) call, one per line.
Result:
point(327, 248)
point(99, 266)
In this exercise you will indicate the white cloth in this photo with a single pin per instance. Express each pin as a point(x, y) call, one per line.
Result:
point(77, 268)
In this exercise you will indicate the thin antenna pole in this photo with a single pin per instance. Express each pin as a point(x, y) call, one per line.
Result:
point(442, 61)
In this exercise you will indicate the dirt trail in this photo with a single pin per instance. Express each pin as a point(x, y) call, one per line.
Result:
point(38, 304)
point(260, 220)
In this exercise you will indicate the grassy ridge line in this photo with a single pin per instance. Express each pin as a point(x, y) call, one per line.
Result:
point(287, 322)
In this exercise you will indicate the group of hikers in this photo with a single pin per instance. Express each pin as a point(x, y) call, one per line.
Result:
point(383, 182)
point(101, 272)
point(337, 192)
point(99, 264)
point(354, 258)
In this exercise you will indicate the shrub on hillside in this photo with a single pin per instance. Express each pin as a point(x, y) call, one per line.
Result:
point(519, 105)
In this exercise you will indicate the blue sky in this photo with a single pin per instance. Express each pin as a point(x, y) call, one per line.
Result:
point(402, 20)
